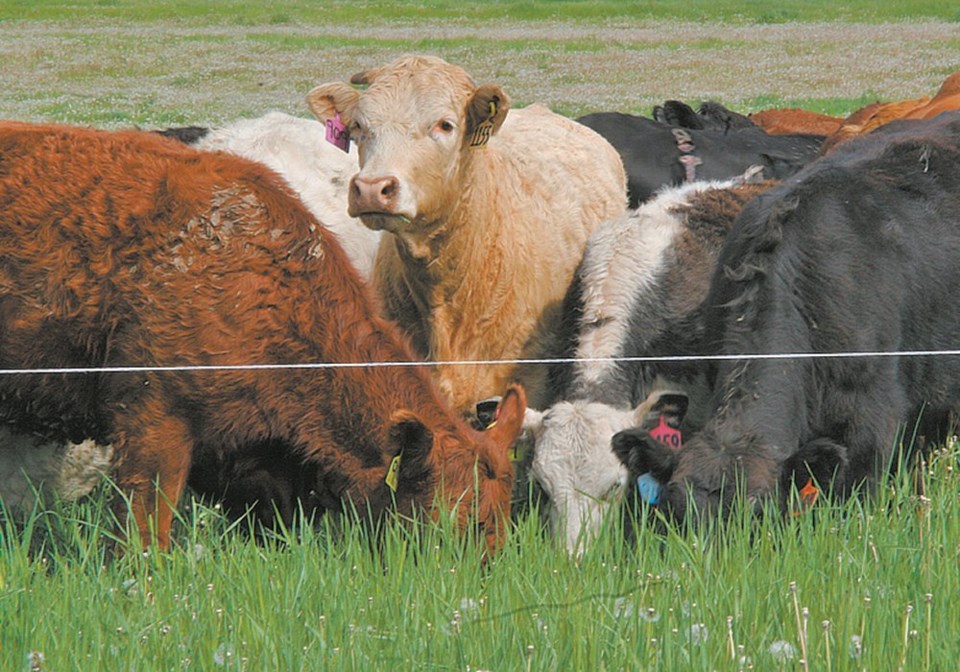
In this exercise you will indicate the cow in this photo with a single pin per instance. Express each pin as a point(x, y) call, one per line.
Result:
point(856, 263)
point(786, 120)
point(297, 149)
point(875, 115)
point(711, 115)
point(775, 121)
point(185, 308)
point(637, 293)
point(487, 211)
point(657, 155)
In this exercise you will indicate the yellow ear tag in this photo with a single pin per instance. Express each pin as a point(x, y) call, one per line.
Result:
point(517, 452)
point(483, 131)
point(393, 472)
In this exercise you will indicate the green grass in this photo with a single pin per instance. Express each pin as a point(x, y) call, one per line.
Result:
point(884, 574)
point(247, 12)
point(323, 597)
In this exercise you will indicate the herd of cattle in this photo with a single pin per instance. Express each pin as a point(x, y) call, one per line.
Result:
point(285, 313)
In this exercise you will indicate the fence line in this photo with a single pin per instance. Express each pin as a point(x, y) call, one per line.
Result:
point(480, 362)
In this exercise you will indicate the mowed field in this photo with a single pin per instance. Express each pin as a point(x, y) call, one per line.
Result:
point(866, 585)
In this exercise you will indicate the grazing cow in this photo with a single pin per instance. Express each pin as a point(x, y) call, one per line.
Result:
point(488, 214)
point(656, 155)
point(128, 250)
point(638, 293)
point(709, 116)
point(783, 121)
point(873, 116)
point(859, 253)
point(297, 149)
point(775, 121)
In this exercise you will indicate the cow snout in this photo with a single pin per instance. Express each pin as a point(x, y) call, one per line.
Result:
point(373, 195)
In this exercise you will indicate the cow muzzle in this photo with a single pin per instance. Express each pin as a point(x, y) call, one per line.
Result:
point(374, 196)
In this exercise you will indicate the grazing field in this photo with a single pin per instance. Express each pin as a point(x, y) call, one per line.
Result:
point(867, 585)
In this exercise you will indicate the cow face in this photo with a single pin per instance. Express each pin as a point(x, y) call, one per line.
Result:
point(707, 476)
point(472, 468)
point(415, 125)
point(575, 467)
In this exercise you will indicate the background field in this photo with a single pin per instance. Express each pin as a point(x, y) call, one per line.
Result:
point(869, 586)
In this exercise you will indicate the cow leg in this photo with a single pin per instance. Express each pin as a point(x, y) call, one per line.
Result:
point(153, 467)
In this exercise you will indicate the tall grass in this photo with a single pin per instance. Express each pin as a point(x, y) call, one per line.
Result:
point(864, 585)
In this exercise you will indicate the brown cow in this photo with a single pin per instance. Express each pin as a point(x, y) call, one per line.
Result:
point(131, 250)
point(489, 213)
point(781, 121)
point(875, 115)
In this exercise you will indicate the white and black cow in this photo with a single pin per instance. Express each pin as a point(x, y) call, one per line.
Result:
point(656, 155)
point(859, 253)
point(637, 293)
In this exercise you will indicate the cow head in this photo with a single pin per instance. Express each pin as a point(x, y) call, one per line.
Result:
point(575, 467)
point(708, 474)
point(415, 124)
point(470, 469)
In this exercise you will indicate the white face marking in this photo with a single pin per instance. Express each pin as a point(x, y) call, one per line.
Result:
point(577, 469)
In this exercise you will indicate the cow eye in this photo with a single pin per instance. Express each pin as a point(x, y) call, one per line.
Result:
point(488, 470)
point(444, 126)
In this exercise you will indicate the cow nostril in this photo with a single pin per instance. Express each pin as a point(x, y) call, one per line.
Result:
point(389, 188)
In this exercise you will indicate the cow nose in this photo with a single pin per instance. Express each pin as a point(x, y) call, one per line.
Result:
point(377, 194)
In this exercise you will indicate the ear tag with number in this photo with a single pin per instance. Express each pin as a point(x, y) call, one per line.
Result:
point(337, 133)
point(483, 131)
point(393, 472)
point(664, 433)
point(647, 485)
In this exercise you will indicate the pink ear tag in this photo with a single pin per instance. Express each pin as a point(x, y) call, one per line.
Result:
point(337, 133)
point(664, 433)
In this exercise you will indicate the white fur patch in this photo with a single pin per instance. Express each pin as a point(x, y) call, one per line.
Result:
point(29, 467)
point(623, 259)
point(319, 172)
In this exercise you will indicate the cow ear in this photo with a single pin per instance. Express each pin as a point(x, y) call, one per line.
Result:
point(510, 417)
point(411, 441)
point(328, 100)
point(366, 77)
point(821, 459)
point(486, 111)
point(640, 453)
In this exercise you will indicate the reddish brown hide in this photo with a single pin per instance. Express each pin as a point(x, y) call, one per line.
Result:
point(876, 115)
point(780, 121)
point(128, 249)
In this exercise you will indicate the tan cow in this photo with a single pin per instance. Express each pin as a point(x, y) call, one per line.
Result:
point(489, 212)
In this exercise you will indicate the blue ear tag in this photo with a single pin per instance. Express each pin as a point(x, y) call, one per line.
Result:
point(649, 488)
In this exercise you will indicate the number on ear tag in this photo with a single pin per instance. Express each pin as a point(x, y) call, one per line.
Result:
point(484, 130)
point(664, 433)
point(337, 133)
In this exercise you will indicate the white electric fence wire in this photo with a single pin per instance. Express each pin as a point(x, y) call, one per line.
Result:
point(480, 362)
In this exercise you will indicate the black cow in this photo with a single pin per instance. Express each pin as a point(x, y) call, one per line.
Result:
point(860, 252)
point(711, 115)
point(655, 154)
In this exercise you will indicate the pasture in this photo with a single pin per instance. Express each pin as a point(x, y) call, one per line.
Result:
point(866, 585)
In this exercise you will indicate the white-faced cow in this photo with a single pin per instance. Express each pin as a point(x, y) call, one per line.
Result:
point(858, 254)
point(488, 210)
point(132, 251)
point(298, 150)
point(638, 293)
